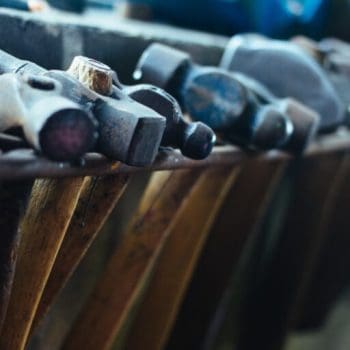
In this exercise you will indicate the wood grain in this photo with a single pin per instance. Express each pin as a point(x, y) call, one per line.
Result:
point(13, 201)
point(326, 272)
point(120, 287)
point(265, 308)
point(241, 215)
point(43, 228)
point(156, 316)
point(97, 200)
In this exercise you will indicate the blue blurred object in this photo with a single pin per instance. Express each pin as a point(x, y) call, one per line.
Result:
point(15, 4)
point(79, 6)
point(277, 18)
point(68, 5)
point(284, 18)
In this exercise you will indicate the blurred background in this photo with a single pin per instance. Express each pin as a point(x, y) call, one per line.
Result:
point(274, 18)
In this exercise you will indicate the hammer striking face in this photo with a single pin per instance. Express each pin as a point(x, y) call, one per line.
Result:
point(52, 124)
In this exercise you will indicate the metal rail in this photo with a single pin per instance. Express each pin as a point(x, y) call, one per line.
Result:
point(22, 164)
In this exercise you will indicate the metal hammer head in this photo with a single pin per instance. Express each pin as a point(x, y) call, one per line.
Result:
point(52, 124)
point(215, 97)
point(305, 121)
point(207, 94)
point(305, 124)
point(195, 140)
point(128, 131)
point(287, 72)
point(260, 127)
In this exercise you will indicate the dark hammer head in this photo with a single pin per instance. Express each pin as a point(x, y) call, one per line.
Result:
point(305, 121)
point(260, 127)
point(207, 94)
point(52, 124)
point(287, 72)
point(195, 140)
point(215, 97)
point(128, 131)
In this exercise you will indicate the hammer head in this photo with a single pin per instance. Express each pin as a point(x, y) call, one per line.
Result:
point(52, 124)
point(195, 140)
point(305, 121)
point(162, 66)
point(305, 124)
point(207, 94)
point(128, 131)
point(260, 127)
point(215, 97)
point(287, 72)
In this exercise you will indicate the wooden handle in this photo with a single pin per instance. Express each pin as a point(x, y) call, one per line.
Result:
point(13, 200)
point(239, 219)
point(120, 287)
point(98, 198)
point(279, 261)
point(178, 259)
point(43, 228)
point(332, 227)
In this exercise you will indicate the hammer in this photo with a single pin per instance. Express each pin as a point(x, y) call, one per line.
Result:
point(219, 99)
point(52, 124)
point(287, 72)
point(128, 131)
point(331, 53)
point(195, 140)
point(305, 120)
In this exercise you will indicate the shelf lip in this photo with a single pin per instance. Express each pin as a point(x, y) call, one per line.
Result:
point(22, 164)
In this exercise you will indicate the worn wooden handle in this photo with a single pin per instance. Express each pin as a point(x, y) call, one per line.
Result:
point(98, 198)
point(121, 285)
point(178, 259)
point(43, 228)
point(329, 230)
point(13, 200)
point(238, 220)
point(277, 263)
